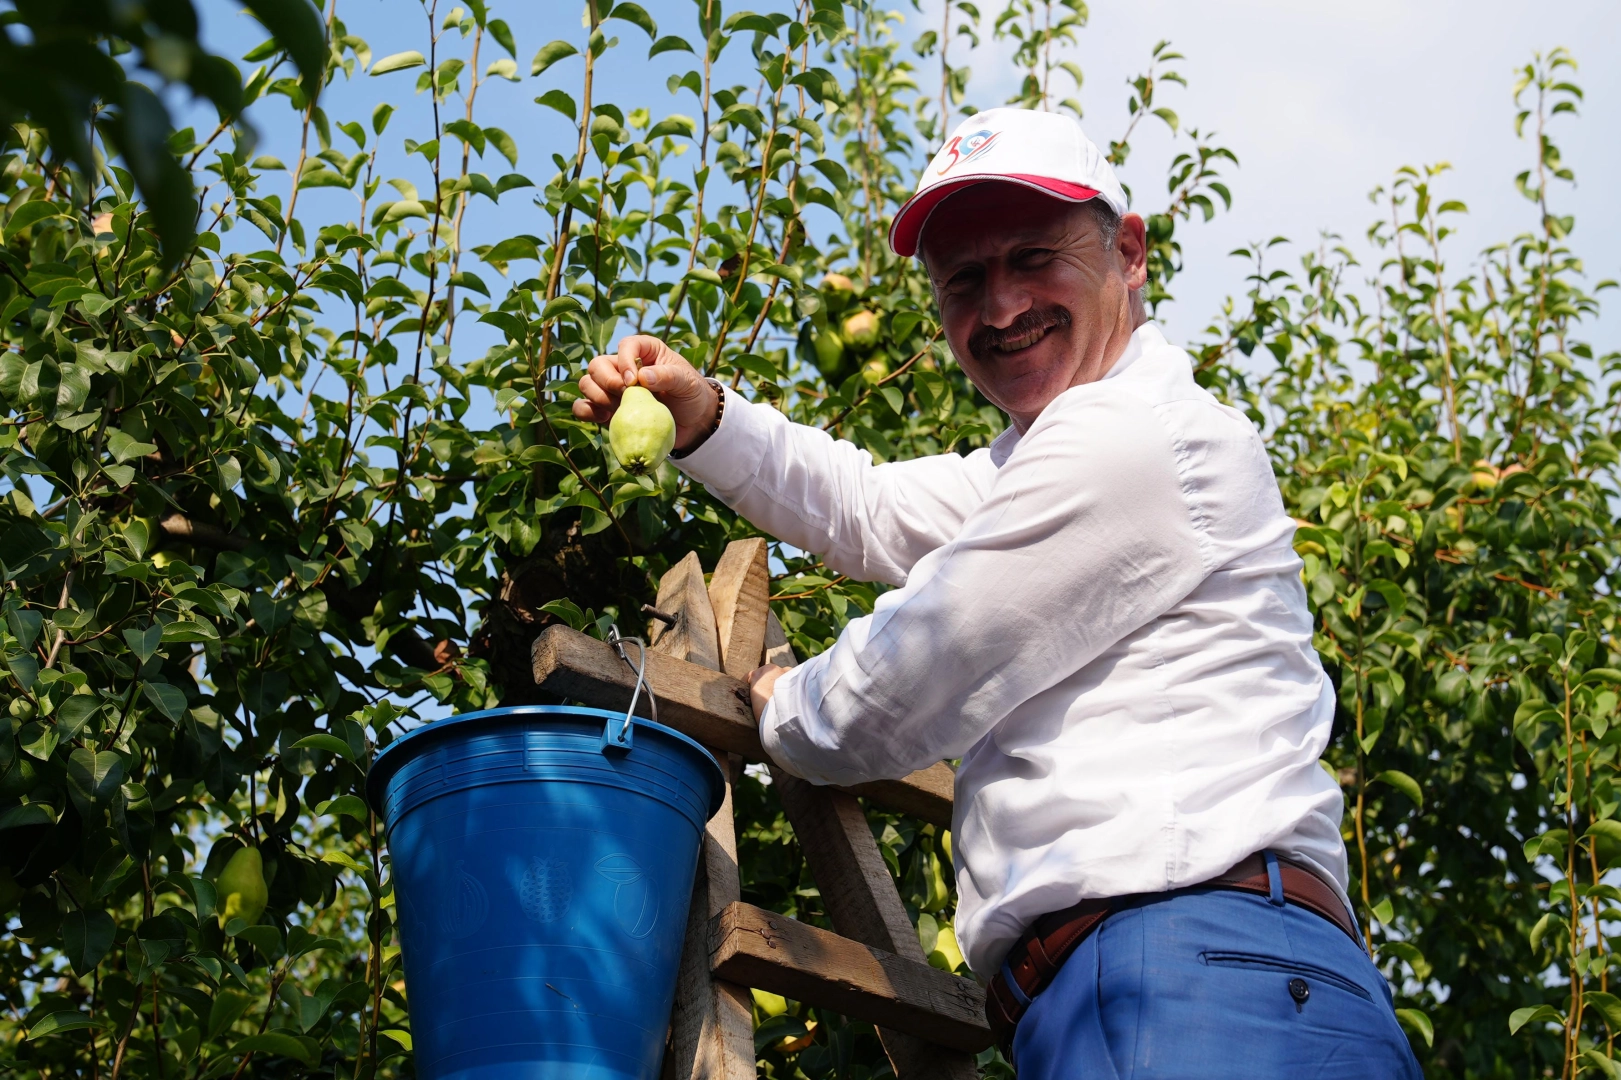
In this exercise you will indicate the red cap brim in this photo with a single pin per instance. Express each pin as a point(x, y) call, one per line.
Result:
point(907, 228)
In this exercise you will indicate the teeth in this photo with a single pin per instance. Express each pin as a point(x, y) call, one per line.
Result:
point(1023, 342)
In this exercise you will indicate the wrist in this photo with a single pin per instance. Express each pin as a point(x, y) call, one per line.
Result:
point(718, 396)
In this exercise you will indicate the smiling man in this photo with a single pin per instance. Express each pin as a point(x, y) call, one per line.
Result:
point(1101, 614)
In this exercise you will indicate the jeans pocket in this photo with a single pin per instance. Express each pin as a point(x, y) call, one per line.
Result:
point(1257, 962)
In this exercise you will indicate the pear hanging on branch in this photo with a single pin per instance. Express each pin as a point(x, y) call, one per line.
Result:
point(642, 431)
point(241, 887)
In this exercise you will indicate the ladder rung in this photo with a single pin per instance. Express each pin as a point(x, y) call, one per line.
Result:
point(754, 947)
point(710, 706)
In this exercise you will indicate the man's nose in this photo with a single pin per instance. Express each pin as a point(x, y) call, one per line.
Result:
point(1004, 298)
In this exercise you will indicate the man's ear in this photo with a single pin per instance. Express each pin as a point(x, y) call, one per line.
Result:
point(1131, 246)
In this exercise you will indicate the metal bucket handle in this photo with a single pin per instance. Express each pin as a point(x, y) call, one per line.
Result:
point(621, 741)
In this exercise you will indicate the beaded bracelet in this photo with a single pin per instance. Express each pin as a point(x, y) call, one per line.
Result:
point(714, 425)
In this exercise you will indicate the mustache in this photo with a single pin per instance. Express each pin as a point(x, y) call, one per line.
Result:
point(988, 341)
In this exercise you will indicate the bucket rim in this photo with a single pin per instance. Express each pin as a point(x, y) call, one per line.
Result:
point(386, 762)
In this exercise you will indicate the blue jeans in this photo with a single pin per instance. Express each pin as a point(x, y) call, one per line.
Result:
point(1214, 985)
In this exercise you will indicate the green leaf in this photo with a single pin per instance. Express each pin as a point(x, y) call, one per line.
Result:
point(503, 35)
point(59, 1023)
point(276, 1044)
point(18, 817)
point(1608, 1005)
point(668, 44)
point(398, 62)
point(636, 15)
point(1603, 1062)
point(504, 143)
point(1417, 1021)
point(168, 700)
point(466, 279)
point(351, 805)
point(399, 1036)
point(1384, 912)
point(31, 213)
point(556, 99)
point(298, 28)
point(124, 448)
point(86, 937)
point(1402, 783)
point(330, 743)
point(673, 125)
point(1533, 1014)
point(549, 54)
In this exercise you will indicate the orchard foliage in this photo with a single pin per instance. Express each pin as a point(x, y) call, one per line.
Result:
point(1446, 440)
point(267, 505)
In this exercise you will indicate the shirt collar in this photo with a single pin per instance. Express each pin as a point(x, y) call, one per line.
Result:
point(1146, 337)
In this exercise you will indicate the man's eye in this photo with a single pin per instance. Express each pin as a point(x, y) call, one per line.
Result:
point(1034, 255)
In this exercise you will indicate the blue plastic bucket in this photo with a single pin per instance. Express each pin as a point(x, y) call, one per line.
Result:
point(542, 879)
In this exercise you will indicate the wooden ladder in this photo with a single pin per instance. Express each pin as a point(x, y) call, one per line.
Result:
point(931, 1023)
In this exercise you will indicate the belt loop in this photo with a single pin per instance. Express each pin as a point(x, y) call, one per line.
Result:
point(1274, 878)
point(1013, 986)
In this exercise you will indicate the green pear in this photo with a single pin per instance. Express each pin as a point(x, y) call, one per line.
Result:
point(829, 348)
point(861, 330)
point(642, 432)
point(241, 887)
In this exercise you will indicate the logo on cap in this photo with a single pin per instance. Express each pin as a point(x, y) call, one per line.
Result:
point(963, 147)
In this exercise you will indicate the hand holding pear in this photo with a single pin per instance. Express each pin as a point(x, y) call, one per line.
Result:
point(652, 400)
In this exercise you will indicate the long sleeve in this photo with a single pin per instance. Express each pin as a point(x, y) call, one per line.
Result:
point(826, 496)
point(1085, 535)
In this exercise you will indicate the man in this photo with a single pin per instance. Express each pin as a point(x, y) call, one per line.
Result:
point(1101, 614)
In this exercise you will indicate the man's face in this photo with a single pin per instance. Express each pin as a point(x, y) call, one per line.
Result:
point(1033, 300)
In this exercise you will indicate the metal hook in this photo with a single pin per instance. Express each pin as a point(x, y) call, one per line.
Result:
point(622, 741)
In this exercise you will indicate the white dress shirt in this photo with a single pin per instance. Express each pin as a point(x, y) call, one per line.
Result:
point(1103, 618)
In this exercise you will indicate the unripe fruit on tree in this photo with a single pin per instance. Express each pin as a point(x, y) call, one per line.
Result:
point(829, 348)
point(241, 887)
point(1485, 475)
point(938, 893)
point(875, 370)
point(840, 291)
point(642, 432)
point(861, 330)
point(947, 954)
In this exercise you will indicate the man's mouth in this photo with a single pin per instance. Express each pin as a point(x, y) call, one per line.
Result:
point(1025, 332)
point(1023, 341)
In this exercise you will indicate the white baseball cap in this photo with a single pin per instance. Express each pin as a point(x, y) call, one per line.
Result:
point(1043, 151)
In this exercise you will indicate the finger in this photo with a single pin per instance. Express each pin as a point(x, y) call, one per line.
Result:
point(594, 393)
point(638, 351)
point(605, 372)
point(584, 410)
point(644, 351)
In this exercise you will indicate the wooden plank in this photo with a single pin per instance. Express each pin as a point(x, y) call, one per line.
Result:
point(739, 591)
point(709, 706)
point(805, 963)
point(692, 636)
point(712, 1025)
point(861, 899)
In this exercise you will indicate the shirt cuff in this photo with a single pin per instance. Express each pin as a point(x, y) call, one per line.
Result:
point(794, 734)
point(785, 705)
point(727, 461)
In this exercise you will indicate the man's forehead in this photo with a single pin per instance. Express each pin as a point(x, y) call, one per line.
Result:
point(989, 217)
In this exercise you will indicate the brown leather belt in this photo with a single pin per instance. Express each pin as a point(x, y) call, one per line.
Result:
point(1036, 957)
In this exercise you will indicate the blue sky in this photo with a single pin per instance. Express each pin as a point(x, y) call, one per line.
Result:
point(1320, 101)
